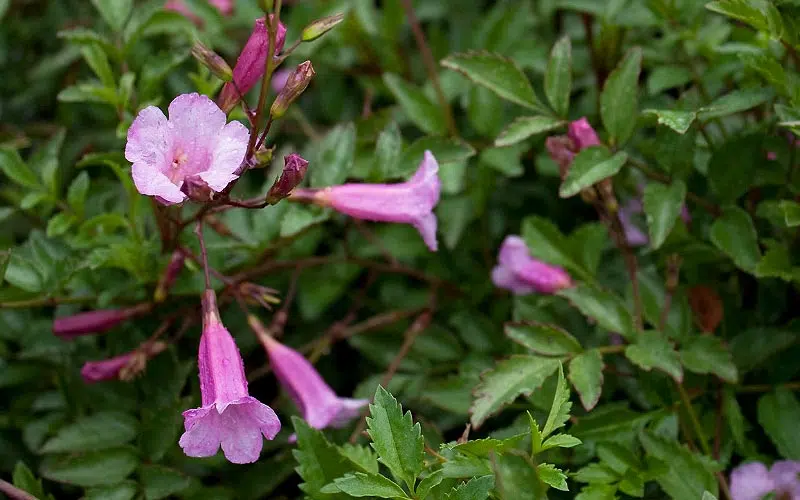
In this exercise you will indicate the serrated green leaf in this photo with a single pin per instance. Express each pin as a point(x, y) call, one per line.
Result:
point(516, 478)
point(778, 414)
point(540, 338)
point(652, 350)
point(735, 235)
point(560, 441)
point(707, 354)
point(677, 120)
point(426, 485)
point(525, 127)
point(589, 167)
point(619, 102)
point(546, 242)
point(558, 76)
point(361, 484)
point(114, 12)
point(500, 75)
point(396, 438)
point(319, 462)
point(559, 411)
point(607, 309)
point(536, 434)
point(362, 456)
point(483, 447)
point(15, 169)
point(335, 155)
point(586, 375)
point(734, 102)
point(507, 380)
point(662, 206)
point(420, 110)
point(476, 488)
point(91, 469)
point(686, 475)
point(94, 432)
point(387, 152)
point(552, 476)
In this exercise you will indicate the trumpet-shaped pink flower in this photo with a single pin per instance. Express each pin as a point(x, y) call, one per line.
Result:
point(229, 417)
point(410, 202)
point(520, 273)
point(121, 367)
point(320, 406)
point(91, 322)
point(194, 141)
point(752, 481)
point(251, 64)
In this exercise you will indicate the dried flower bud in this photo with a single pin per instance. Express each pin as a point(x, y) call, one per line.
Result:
point(294, 170)
point(197, 189)
point(321, 26)
point(212, 61)
point(69, 327)
point(171, 273)
point(295, 85)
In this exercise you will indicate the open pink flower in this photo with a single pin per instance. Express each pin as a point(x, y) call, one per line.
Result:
point(409, 202)
point(320, 406)
point(251, 64)
point(194, 141)
point(229, 417)
point(752, 481)
point(520, 273)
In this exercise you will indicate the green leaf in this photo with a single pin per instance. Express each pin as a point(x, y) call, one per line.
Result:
point(5, 258)
point(91, 469)
point(33, 198)
point(619, 102)
point(560, 441)
point(778, 414)
point(369, 485)
point(335, 156)
point(507, 380)
point(97, 59)
point(732, 165)
point(396, 438)
point(362, 456)
point(448, 152)
point(89, 92)
point(686, 474)
point(114, 12)
point(707, 354)
point(558, 76)
point(94, 432)
point(15, 169)
point(59, 224)
point(500, 75)
point(653, 350)
point(708, 496)
point(24, 479)
point(677, 120)
point(44, 160)
point(422, 111)
point(586, 375)
point(319, 462)
point(735, 235)
point(736, 101)
point(559, 411)
point(485, 446)
point(665, 77)
point(476, 488)
point(598, 492)
point(387, 152)
point(126, 490)
point(552, 476)
point(162, 482)
point(607, 309)
point(589, 167)
point(540, 338)
point(547, 243)
point(597, 473)
point(76, 194)
point(525, 127)
point(516, 478)
point(431, 481)
point(23, 274)
point(791, 212)
point(536, 434)
point(662, 206)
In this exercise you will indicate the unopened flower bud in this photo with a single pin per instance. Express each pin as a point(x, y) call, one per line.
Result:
point(197, 189)
point(171, 273)
point(294, 170)
point(123, 367)
point(263, 157)
point(295, 85)
point(321, 26)
point(86, 323)
point(212, 61)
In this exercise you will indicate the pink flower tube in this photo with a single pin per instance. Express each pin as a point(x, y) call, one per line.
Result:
point(91, 322)
point(520, 273)
point(229, 417)
point(121, 367)
point(753, 481)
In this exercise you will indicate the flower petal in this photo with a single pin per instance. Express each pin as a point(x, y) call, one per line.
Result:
point(426, 225)
point(150, 181)
point(149, 139)
point(242, 425)
point(227, 156)
point(751, 482)
point(196, 123)
point(202, 437)
point(348, 409)
point(502, 277)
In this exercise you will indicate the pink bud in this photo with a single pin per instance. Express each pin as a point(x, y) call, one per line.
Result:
point(294, 170)
point(279, 79)
point(520, 273)
point(171, 273)
point(582, 134)
point(295, 85)
point(251, 64)
point(86, 323)
point(197, 189)
point(225, 7)
point(122, 367)
point(561, 150)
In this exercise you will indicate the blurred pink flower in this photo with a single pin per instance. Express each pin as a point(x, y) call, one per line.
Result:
point(279, 79)
point(563, 148)
point(121, 367)
point(410, 202)
point(225, 7)
point(752, 481)
point(251, 64)
point(635, 236)
point(320, 406)
point(582, 134)
point(91, 322)
point(195, 140)
point(520, 273)
point(229, 417)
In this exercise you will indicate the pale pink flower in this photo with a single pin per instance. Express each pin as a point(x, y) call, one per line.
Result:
point(195, 140)
point(225, 7)
point(279, 79)
point(229, 417)
point(317, 402)
point(752, 481)
point(520, 273)
point(251, 63)
point(410, 202)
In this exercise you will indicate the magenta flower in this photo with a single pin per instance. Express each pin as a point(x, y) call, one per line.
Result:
point(279, 79)
point(229, 417)
point(121, 367)
point(520, 273)
point(563, 148)
point(320, 406)
point(582, 134)
point(294, 170)
point(195, 140)
point(225, 7)
point(408, 202)
point(90, 322)
point(752, 481)
point(251, 64)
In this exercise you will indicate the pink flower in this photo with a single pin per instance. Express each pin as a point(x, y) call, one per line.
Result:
point(633, 235)
point(409, 202)
point(279, 79)
point(320, 406)
point(563, 148)
point(195, 140)
point(90, 322)
point(294, 170)
point(752, 481)
point(582, 134)
point(251, 64)
point(225, 7)
point(229, 417)
point(520, 273)
point(121, 367)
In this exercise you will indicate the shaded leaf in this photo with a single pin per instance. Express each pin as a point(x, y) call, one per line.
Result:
point(586, 375)
point(707, 354)
point(548, 340)
point(778, 414)
point(662, 206)
point(425, 114)
point(653, 350)
point(589, 167)
point(619, 103)
point(525, 127)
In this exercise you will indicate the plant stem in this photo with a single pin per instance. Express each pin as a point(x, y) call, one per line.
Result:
point(203, 253)
point(698, 429)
